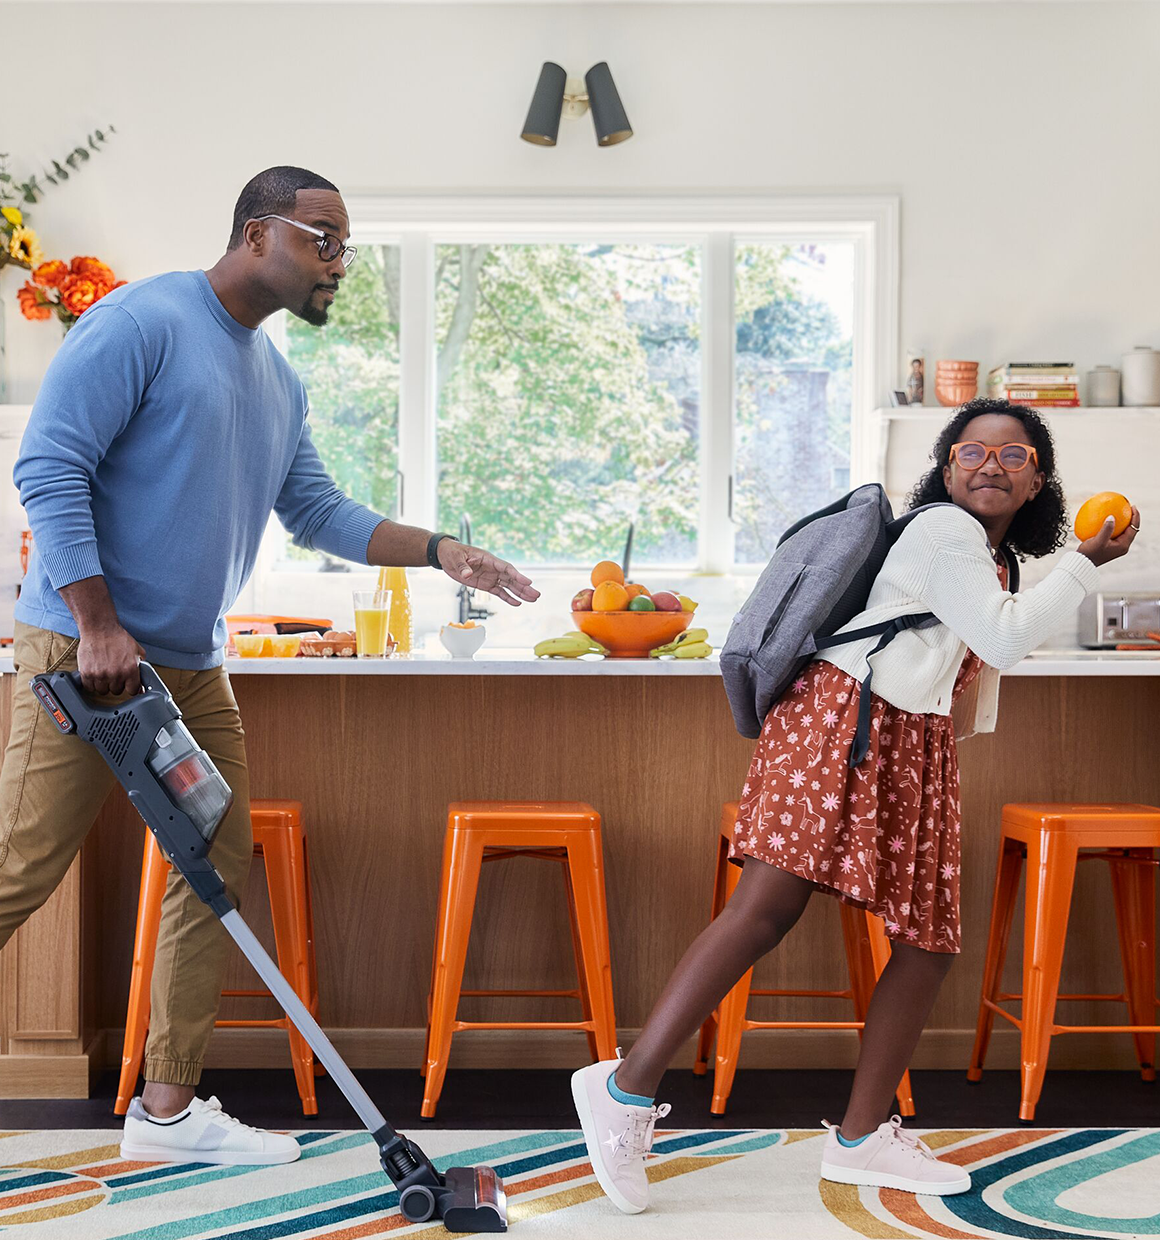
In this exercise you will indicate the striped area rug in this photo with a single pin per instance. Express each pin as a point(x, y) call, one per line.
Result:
point(744, 1184)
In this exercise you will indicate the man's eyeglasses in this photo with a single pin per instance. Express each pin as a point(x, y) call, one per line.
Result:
point(329, 246)
point(1012, 457)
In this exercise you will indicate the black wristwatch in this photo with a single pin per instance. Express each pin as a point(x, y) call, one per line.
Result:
point(432, 543)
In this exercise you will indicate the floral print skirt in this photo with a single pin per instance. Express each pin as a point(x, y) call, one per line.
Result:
point(884, 836)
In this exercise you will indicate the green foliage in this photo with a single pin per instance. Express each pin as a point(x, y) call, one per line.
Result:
point(567, 388)
point(32, 190)
point(560, 421)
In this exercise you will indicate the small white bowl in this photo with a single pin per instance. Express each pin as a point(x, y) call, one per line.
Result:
point(462, 643)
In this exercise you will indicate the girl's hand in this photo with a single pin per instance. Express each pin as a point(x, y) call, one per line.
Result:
point(1103, 547)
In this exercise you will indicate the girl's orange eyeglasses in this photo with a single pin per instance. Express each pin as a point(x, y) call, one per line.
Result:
point(1012, 457)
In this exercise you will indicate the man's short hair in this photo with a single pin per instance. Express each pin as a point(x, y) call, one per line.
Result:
point(272, 193)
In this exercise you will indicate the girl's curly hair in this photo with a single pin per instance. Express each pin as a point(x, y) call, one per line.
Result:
point(1040, 526)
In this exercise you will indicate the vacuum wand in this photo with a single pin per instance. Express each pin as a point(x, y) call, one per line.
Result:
point(183, 799)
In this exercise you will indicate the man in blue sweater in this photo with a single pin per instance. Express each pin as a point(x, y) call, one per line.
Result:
point(166, 430)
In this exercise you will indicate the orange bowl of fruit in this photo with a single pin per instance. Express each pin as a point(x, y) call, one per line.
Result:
point(625, 618)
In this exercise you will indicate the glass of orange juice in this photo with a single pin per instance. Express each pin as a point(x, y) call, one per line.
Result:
point(372, 613)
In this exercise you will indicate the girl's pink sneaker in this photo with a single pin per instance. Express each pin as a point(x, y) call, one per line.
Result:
point(890, 1157)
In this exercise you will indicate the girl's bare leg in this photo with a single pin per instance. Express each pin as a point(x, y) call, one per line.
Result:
point(898, 1012)
point(763, 908)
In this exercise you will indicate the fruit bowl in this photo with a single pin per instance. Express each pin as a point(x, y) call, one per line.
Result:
point(632, 634)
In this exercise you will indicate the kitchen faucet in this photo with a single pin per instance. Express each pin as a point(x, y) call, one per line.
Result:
point(467, 607)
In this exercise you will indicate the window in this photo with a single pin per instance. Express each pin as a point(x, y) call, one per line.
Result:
point(793, 367)
point(351, 371)
point(568, 393)
point(556, 369)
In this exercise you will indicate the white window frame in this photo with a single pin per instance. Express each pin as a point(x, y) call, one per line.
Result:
point(718, 224)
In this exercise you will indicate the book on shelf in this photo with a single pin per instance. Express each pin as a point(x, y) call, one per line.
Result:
point(1066, 392)
point(1047, 404)
point(1027, 374)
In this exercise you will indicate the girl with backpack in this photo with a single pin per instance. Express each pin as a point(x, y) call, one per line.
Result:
point(882, 834)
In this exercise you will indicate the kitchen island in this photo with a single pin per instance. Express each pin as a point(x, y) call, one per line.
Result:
point(376, 749)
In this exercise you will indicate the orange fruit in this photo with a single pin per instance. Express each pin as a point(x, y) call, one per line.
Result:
point(635, 590)
point(1097, 510)
point(607, 570)
point(610, 596)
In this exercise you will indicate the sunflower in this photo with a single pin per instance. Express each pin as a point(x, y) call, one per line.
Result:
point(33, 303)
point(50, 274)
point(13, 215)
point(25, 246)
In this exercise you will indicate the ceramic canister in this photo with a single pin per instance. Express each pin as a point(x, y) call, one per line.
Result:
point(1141, 376)
point(1103, 387)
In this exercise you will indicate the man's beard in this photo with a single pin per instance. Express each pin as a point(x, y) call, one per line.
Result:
point(314, 315)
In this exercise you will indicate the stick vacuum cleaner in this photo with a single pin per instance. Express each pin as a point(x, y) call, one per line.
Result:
point(183, 798)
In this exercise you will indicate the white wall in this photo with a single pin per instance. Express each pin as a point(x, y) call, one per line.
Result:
point(1020, 137)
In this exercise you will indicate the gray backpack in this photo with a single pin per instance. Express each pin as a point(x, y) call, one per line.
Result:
point(818, 579)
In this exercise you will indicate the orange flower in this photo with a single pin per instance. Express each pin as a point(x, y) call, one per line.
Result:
point(50, 274)
point(33, 303)
point(77, 293)
point(83, 265)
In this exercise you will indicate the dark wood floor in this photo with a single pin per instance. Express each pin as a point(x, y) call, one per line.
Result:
point(535, 1099)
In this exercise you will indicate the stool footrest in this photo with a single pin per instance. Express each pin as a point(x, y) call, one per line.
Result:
point(518, 994)
point(585, 1026)
point(277, 1023)
point(803, 1024)
point(1121, 998)
point(805, 994)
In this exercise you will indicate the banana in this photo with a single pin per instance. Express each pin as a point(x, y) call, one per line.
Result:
point(562, 647)
point(694, 650)
point(693, 635)
point(591, 642)
point(688, 638)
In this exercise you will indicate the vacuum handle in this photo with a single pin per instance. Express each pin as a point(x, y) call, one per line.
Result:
point(150, 680)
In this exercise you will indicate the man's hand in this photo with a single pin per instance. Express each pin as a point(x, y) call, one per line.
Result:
point(480, 570)
point(107, 656)
point(107, 660)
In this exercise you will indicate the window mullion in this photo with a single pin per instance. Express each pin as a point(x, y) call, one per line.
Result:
point(417, 456)
point(715, 545)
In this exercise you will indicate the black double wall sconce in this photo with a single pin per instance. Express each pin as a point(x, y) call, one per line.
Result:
point(556, 96)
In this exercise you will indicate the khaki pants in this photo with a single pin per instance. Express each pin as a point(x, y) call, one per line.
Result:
point(51, 789)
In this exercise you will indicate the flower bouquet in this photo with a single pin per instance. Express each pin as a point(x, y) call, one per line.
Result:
point(66, 290)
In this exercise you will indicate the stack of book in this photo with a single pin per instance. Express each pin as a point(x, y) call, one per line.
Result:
point(1042, 385)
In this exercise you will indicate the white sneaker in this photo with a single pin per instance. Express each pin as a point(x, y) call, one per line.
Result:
point(619, 1136)
point(891, 1157)
point(202, 1133)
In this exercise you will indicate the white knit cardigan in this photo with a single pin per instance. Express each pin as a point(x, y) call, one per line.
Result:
point(942, 563)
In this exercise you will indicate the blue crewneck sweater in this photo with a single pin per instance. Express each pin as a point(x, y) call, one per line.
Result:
point(163, 435)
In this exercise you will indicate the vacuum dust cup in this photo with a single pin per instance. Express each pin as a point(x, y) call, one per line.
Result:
point(192, 781)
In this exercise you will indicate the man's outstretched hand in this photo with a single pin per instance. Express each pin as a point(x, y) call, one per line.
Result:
point(480, 570)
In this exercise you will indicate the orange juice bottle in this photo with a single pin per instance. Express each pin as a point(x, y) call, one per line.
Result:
point(401, 623)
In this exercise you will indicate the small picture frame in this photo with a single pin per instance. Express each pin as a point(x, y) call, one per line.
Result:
point(898, 398)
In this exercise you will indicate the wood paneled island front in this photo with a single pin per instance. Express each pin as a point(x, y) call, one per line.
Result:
point(376, 750)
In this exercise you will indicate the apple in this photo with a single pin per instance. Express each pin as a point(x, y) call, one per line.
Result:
point(665, 601)
point(642, 602)
point(583, 600)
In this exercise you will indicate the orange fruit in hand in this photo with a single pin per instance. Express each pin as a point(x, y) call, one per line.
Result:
point(607, 570)
point(1097, 510)
point(636, 590)
point(610, 596)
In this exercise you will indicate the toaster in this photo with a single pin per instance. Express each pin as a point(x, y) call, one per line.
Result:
point(1112, 616)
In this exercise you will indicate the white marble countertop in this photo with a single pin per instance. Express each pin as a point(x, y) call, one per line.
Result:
point(499, 662)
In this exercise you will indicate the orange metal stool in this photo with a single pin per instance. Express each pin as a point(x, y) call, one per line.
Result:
point(281, 842)
point(1050, 837)
point(478, 831)
point(867, 951)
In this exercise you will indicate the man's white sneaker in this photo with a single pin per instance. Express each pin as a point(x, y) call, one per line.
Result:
point(202, 1133)
point(619, 1136)
point(891, 1157)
